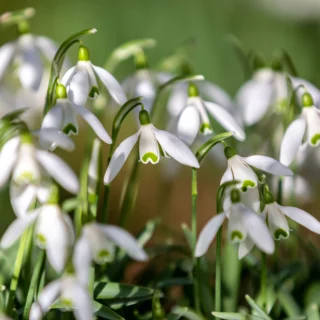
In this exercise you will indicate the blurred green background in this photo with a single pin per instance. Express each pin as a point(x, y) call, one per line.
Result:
point(265, 25)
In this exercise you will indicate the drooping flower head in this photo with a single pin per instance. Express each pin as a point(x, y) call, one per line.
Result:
point(151, 141)
point(82, 81)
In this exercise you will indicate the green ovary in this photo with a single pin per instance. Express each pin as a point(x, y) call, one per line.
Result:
point(315, 139)
point(246, 184)
point(236, 236)
point(280, 233)
point(150, 155)
point(69, 128)
point(206, 128)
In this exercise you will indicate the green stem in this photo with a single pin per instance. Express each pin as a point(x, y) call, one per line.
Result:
point(263, 279)
point(218, 272)
point(194, 196)
point(34, 284)
point(16, 271)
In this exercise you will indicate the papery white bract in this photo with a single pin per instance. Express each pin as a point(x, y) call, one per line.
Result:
point(26, 52)
point(53, 232)
point(239, 168)
point(63, 117)
point(71, 294)
point(30, 169)
point(307, 124)
point(194, 118)
point(82, 81)
point(150, 139)
point(97, 243)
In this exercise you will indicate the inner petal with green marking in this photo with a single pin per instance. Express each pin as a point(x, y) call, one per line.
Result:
point(206, 128)
point(315, 139)
point(150, 157)
point(236, 236)
point(69, 129)
point(280, 234)
point(247, 184)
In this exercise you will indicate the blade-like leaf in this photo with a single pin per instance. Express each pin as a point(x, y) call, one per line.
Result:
point(255, 307)
point(290, 306)
point(176, 314)
point(313, 312)
point(229, 315)
point(104, 312)
point(187, 314)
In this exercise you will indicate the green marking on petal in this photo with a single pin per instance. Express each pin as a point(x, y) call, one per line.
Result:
point(66, 303)
point(236, 236)
point(280, 233)
point(314, 140)
point(26, 176)
point(150, 156)
point(104, 256)
point(93, 92)
point(41, 240)
point(206, 128)
point(247, 184)
point(69, 128)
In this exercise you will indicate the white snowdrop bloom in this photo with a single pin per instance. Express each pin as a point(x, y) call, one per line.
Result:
point(265, 91)
point(70, 294)
point(63, 117)
point(275, 215)
point(149, 140)
point(82, 81)
point(244, 227)
point(26, 53)
point(53, 232)
point(239, 168)
point(97, 243)
point(194, 118)
point(30, 169)
point(307, 124)
point(144, 83)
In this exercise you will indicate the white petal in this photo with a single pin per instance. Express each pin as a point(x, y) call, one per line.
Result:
point(245, 247)
point(31, 68)
point(258, 231)
point(51, 226)
point(226, 120)
point(58, 170)
point(53, 119)
point(251, 199)
point(67, 76)
point(119, 157)
point(82, 258)
point(16, 229)
point(82, 305)
point(302, 217)
point(237, 231)
point(176, 148)
point(208, 233)
point(148, 145)
point(292, 140)
point(313, 125)
point(6, 55)
point(125, 241)
point(53, 136)
point(277, 222)
point(47, 47)
point(78, 89)
point(315, 93)
point(21, 198)
point(8, 158)
point(94, 123)
point(227, 176)
point(254, 99)
point(198, 103)
point(112, 85)
point(48, 296)
point(178, 99)
point(269, 165)
point(188, 124)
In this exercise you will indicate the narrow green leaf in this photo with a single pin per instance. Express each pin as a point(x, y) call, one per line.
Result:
point(10, 18)
point(10, 116)
point(57, 65)
point(105, 312)
point(127, 50)
point(290, 306)
point(207, 146)
point(187, 314)
point(177, 314)
point(255, 307)
point(187, 233)
point(71, 204)
point(287, 61)
point(229, 315)
point(119, 292)
point(313, 312)
point(272, 297)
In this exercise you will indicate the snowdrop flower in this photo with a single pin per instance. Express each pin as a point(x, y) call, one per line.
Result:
point(194, 118)
point(144, 82)
point(245, 227)
point(266, 89)
point(275, 216)
point(97, 243)
point(82, 81)
point(26, 52)
point(63, 117)
point(239, 168)
point(53, 232)
point(307, 124)
point(149, 140)
point(30, 169)
point(71, 295)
